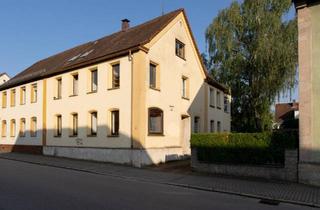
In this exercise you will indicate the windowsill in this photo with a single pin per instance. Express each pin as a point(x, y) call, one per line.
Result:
point(212, 106)
point(3, 136)
point(57, 98)
point(22, 104)
point(12, 136)
point(33, 136)
point(4, 107)
point(185, 98)
point(91, 135)
point(153, 88)
point(73, 95)
point(155, 134)
point(113, 136)
point(57, 136)
point(12, 105)
point(33, 102)
point(91, 92)
point(22, 136)
point(113, 88)
point(72, 136)
point(218, 107)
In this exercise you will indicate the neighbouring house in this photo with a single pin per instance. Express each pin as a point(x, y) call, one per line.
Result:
point(132, 97)
point(308, 12)
point(286, 115)
point(4, 77)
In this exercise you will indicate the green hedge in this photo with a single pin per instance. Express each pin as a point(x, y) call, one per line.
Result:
point(244, 148)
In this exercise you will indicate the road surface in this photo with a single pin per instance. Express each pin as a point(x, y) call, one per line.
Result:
point(31, 186)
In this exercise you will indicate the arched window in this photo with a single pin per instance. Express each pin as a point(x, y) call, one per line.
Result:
point(155, 119)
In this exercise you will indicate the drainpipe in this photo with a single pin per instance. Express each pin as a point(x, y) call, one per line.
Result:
point(131, 126)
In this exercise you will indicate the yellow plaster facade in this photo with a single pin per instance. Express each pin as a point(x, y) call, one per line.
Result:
point(182, 114)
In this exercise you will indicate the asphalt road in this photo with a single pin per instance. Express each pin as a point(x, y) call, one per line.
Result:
point(30, 186)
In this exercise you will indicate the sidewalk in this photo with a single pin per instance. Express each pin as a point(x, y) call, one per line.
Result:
point(278, 191)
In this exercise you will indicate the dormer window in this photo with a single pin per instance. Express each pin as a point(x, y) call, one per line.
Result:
point(180, 49)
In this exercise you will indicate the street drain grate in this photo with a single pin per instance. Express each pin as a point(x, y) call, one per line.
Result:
point(269, 202)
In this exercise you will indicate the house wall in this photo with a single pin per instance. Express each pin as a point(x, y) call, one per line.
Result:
point(102, 101)
point(169, 96)
point(309, 88)
point(27, 111)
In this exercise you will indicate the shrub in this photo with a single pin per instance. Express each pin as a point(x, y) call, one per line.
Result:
point(244, 148)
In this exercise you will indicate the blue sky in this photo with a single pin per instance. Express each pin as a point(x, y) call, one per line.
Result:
point(33, 30)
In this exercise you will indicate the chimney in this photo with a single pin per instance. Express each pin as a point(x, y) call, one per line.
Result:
point(125, 24)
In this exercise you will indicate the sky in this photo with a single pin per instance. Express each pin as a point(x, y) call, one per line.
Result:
point(33, 30)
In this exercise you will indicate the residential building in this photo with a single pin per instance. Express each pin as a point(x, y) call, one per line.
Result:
point(308, 12)
point(132, 97)
point(286, 114)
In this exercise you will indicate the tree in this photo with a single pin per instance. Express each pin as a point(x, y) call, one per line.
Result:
point(253, 50)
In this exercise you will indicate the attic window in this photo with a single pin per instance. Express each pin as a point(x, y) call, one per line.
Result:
point(74, 58)
point(180, 49)
point(86, 53)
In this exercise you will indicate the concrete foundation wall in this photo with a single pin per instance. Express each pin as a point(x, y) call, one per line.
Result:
point(134, 157)
point(309, 173)
point(288, 172)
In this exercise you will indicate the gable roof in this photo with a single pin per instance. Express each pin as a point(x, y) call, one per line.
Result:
point(108, 47)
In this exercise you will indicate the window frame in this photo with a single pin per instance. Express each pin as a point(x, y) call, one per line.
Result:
point(156, 75)
point(33, 127)
point(3, 128)
point(218, 99)
point(179, 45)
point(75, 93)
point(155, 133)
point(212, 126)
point(113, 84)
point(34, 93)
point(58, 125)
point(211, 97)
point(58, 93)
point(74, 126)
point(114, 122)
point(185, 87)
point(91, 132)
point(13, 128)
point(196, 129)
point(23, 95)
point(4, 99)
point(12, 97)
point(92, 89)
point(22, 132)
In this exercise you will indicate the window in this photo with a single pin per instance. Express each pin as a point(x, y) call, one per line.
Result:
point(74, 126)
point(180, 51)
point(23, 95)
point(4, 99)
point(22, 131)
point(211, 126)
point(116, 76)
point(59, 88)
point(226, 104)
point(93, 123)
point(75, 81)
point(33, 127)
point(13, 97)
point(94, 80)
point(155, 121)
point(13, 128)
point(153, 76)
point(115, 122)
point(34, 93)
point(219, 126)
point(218, 100)
point(4, 128)
point(185, 87)
point(211, 97)
point(58, 132)
point(196, 125)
